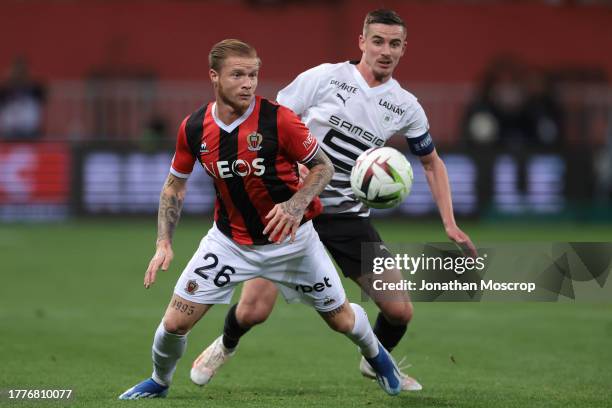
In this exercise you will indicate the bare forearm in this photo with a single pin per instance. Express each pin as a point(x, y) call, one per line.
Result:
point(170, 206)
point(437, 178)
point(321, 172)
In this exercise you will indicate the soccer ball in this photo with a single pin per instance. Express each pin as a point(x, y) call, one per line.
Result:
point(381, 177)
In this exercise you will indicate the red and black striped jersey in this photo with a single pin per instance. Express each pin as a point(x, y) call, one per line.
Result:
point(253, 163)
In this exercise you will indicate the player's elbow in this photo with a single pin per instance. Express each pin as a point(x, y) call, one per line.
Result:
point(431, 161)
point(329, 171)
point(321, 165)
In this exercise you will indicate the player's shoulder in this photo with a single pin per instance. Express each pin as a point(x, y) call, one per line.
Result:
point(197, 114)
point(267, 106)
point(406, 99)
point(324, 69)
point(402, 93)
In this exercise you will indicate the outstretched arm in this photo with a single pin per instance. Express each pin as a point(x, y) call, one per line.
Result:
point(437, 178)
point(170, 205)
point(284, 218)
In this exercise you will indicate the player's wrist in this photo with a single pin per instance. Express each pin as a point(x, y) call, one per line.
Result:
point(163, 242)
point(450, 226)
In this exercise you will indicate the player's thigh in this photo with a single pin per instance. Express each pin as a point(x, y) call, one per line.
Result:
point(217, 266)
point(256, 301)
point(343, 238)
point(181, 314)
point(308, 274)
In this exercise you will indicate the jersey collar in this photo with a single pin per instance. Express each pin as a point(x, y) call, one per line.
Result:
point(230, 128)
point(369, 91)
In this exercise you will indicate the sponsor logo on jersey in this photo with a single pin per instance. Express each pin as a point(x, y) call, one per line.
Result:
point(309, 141)
point(343, 99)
point(355, 130)
point(254, 141)
point(191, 287)
point(392, 107)
point(344, 86)
point(317, 287)
point(242, 168)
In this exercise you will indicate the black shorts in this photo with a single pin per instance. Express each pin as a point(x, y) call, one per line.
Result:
point(342, 236)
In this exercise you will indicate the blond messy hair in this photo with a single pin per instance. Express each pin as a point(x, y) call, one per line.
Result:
point(230, 48)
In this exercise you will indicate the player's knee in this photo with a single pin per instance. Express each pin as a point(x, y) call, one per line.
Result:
point(176, 327)
point(398, 313)
point(343, 325)
point(342, 322)
point(252, 314)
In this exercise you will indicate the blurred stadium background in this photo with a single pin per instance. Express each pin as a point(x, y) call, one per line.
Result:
point(520, 104)
point(517, 93)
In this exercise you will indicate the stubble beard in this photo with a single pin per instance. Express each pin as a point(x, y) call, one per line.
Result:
point(238, 107)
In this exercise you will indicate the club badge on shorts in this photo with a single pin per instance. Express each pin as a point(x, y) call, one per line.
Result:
point(328, 301)
point(254, 141)
point(191, 287)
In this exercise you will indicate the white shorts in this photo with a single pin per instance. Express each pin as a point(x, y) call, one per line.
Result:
point(302, 270)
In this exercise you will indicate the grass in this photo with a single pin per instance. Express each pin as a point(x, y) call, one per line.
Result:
point(74, 315)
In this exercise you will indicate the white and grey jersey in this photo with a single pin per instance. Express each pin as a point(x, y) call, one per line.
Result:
point(348, 117)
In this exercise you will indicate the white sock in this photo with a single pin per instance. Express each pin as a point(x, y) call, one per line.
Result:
point(167, 350)
point(362, 334)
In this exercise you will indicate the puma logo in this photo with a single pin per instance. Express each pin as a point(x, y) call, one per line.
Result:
point(342, 99)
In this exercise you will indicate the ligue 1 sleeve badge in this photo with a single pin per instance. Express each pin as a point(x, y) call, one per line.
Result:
point(254, 141)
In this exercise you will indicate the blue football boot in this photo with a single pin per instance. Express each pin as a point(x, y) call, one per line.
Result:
point(387, 373)
point(146, 389)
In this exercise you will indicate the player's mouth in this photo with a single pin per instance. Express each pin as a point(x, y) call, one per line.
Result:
point(385, 63)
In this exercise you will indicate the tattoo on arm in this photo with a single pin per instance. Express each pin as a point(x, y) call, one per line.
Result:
point(321, 172)
point(170, 205)
point(334, 312)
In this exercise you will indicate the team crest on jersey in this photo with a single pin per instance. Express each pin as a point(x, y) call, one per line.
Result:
point(387, 120)
point(254, 141)
point(191, 287)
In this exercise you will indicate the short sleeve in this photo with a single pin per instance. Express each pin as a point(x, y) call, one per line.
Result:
point(416, 132)
point(295, 139)
point(300, 94)
point(417, 123)
point(183, 160)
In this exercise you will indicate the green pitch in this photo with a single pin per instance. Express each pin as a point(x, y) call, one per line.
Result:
point(74, 315)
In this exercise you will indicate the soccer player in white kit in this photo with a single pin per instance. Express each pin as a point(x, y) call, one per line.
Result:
point(351, 107)
point(251, 148)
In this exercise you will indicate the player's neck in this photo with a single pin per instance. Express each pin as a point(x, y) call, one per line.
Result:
point(228, 114)
point(368, 75)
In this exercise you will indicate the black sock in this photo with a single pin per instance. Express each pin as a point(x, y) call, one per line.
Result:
point(232, 332)
point(388, 334)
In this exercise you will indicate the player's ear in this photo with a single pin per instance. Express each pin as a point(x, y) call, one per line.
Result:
point(404, 45)
point(362, 41)
point(214, 76)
